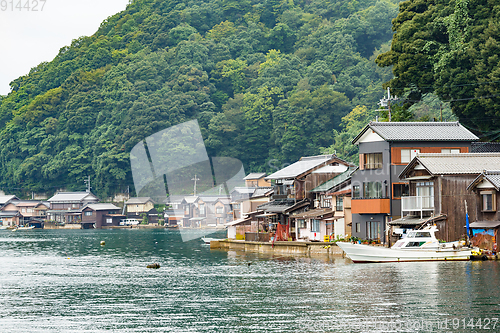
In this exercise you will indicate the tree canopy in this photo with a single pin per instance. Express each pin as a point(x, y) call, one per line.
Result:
point(269, 81)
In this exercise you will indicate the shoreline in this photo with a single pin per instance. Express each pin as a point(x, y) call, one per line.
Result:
point(279, 247)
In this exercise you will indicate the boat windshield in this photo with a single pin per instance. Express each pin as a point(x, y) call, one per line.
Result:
point(418, 234)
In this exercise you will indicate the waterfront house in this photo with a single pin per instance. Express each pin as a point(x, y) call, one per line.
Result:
point(5, 199)
point(222, 208)
point(100, 215)
point(385, 148)
point(33, 212)
point(331, 212)
point(292, 191)
point(257, 179)
point(438, 191)
point(65, 207)
point(485, 224)
point(138, 206)
point(9, 218)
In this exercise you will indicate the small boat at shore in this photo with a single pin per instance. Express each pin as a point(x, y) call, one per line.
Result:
point(23, 228)
point(207, 240)
point(418, 245)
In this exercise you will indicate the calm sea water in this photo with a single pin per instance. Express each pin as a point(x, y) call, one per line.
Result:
point(64, 281)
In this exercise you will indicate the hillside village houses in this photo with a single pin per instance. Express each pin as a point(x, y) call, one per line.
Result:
point(409, 174)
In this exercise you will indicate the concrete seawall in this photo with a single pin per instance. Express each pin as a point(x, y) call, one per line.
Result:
point(292, 248)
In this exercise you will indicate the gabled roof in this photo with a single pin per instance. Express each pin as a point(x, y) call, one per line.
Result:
point(190, 199)
point(262, 191)
point(304, 166)
point(454, 164)
point(138, 201)
point(491, 176)
point(225, 200)
point(419, 131)
point(29, 203)
point(255, 175)
point(4, 199)
point(244, 190)
point(329, 184)
point(101, 206)
point(73, 197)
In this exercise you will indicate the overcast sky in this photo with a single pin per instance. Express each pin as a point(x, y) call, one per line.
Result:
point(28, 38)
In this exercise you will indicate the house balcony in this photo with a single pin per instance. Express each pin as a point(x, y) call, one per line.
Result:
point(371, 206)
point(419, 204)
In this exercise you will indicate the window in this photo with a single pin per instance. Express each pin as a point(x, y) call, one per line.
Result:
point(88, 213)
point(450, 151)
point(356, 191)
point(326, 201)
point(400, 190)
point(374, 230)
point(236, 206)
point(426, 191)
point(109, 220)
point(373, 161)
point(372, 190)
point(202, 209)
point(220, 210)
point(488, 201)
point(358, 227)
point(301, 224)
point(339, 205)
point(408, 154)
point(315, 226)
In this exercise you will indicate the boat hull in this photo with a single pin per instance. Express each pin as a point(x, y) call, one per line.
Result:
point(359, 253)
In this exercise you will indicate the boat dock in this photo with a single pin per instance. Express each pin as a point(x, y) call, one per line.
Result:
point(279, 247)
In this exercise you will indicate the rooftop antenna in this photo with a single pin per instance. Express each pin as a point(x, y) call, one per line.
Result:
point(195, 180)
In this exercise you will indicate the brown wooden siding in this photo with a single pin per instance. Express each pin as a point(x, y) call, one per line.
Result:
point(396, 152)
point(371, 206)
point(450, 200)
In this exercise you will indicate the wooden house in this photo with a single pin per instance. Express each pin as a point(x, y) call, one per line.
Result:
point(438, 191)
point(292, 191)
point(256, 179)
point(100, 215)
point(485, 224)
point(65, 207)
point(385, 148)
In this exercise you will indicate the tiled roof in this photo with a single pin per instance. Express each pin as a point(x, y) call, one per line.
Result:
point(335, 181)
point(6, 198)
point(255, 175)
point(492, 176)
point(73, 196)
point(485, 147)
point(303, 165)
point(282, 206)
point(102, 206)
point(138, 200)
point(445, 164)
point(420, 131)
point(262, 191)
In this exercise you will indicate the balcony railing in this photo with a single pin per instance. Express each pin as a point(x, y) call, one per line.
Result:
point(417, 204)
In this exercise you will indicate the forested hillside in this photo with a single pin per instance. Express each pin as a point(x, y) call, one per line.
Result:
point(268, 81)
point(452, 49)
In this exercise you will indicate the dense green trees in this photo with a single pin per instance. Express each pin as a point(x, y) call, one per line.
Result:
point(267, 80)
point(449, 48)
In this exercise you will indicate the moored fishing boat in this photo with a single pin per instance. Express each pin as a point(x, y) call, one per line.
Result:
point(418, 245)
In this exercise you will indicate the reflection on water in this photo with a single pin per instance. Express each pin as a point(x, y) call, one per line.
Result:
point(64, 281)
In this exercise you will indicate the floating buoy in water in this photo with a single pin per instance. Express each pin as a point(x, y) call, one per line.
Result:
point(155, 265)
point(103, 243)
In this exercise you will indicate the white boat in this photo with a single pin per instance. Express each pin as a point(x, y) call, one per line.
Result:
point(24, 228)
point(418, 245)
point(207, 240)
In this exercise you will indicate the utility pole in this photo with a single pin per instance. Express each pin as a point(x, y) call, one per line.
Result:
point(87, 183)
point(195, 180)
point(386, 102)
